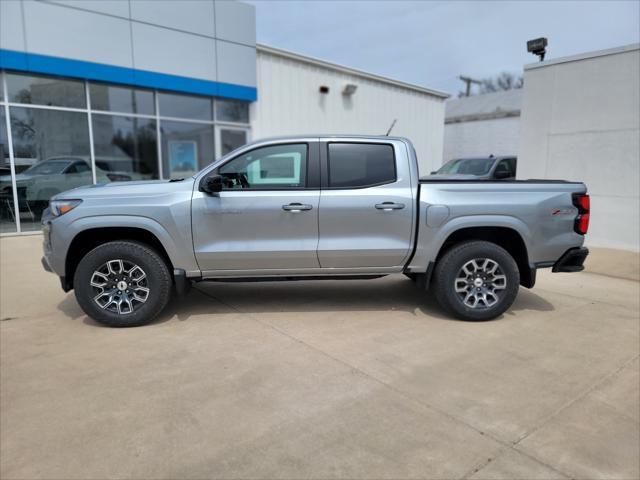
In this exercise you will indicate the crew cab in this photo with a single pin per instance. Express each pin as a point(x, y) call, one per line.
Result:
point(312, 207)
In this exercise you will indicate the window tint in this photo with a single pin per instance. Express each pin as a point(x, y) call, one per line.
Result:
point(467, 166)
point(45, 143)
point(121, 99)
point(506, 167)
point(125, 148)
point(360, 164)
point(7, 209)
point(46, 91)
point(275, 167)
point(80, 167)
point(185, 106)
point(232, 111)
point(231, 139)
point(186, 147)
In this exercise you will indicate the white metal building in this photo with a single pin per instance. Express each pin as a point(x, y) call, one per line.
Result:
point(581, 121)
point(290, 101)
point(481, 125)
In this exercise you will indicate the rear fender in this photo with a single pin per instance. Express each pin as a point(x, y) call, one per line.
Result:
point(431, 239)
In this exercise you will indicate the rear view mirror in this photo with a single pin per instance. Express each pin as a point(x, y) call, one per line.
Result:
point(212, 184)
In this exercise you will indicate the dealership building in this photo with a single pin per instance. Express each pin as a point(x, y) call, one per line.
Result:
point(95, 91)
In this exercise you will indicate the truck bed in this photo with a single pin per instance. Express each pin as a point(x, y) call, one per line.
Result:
point(541, 212)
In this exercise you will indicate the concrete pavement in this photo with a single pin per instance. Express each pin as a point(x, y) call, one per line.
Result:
point(352, 379)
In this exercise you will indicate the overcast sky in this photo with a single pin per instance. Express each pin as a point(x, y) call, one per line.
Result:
point(430, 43)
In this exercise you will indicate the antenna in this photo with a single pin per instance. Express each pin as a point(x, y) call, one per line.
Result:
point(391, 127)
point(468, 81)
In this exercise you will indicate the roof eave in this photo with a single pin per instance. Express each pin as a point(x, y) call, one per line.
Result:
point(351, 71)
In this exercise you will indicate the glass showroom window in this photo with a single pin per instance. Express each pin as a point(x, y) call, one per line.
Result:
point(125, 148)
point(112, 98)
point(232, 111)
point(231, 138)
point(7, 210)
point(138, 134)
point(190, 107)
point(51, 155)
point(51, 91)
point(186, 147)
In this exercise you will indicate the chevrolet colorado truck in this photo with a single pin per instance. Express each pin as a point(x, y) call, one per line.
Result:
point(312, 207)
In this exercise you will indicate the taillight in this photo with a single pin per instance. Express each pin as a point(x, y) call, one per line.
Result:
point(582, 202)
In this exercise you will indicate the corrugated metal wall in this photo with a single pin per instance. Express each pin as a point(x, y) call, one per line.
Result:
point(289, 103)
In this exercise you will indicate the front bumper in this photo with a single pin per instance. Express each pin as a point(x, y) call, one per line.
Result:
point(572, 260)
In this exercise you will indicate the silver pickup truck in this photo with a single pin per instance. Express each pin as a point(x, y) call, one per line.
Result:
point(313, 207)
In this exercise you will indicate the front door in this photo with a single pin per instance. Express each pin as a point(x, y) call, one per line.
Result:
point(366, 205)
point(266, 216)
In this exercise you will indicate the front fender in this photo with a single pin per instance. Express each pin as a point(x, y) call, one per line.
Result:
point(180, 251)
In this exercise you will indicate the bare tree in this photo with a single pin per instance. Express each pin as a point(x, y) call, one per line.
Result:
point(504, 81)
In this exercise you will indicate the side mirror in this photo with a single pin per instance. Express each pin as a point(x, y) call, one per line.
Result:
point(502, 174)
point(434, 172)
point(212, 184)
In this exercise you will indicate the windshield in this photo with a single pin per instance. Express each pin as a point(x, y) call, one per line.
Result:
point(467, 166)
point(48, 168)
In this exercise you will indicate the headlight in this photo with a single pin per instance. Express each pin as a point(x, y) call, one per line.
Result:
point(60, 207)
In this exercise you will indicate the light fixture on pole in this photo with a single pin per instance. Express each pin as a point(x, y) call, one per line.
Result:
point(538, 46)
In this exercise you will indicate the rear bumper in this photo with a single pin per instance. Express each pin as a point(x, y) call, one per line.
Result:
point(572, 260)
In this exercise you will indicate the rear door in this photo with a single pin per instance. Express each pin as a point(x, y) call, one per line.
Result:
point(366, 204)
point(266, 217)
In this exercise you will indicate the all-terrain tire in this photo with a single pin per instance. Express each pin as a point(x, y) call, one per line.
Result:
point(450, 267)
point(157, 280)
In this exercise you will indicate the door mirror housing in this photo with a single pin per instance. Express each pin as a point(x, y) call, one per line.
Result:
point(212, 184)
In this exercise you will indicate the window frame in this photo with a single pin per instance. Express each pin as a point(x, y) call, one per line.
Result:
point(324, 162)
point(312, 180)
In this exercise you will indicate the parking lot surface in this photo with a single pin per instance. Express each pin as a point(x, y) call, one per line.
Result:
point(351, 379)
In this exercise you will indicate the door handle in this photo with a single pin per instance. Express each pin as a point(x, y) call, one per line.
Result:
point(296, 207)
point(388, 206)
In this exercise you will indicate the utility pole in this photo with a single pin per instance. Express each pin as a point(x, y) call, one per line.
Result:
point(468, 81)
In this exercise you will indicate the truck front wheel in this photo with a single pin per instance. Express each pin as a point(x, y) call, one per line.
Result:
point(476, 280)
point(122, 284)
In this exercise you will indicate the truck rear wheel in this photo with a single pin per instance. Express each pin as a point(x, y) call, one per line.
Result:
point(476, 280)
point(122, 284)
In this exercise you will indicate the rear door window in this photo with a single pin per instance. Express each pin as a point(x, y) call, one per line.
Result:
point(359, 165)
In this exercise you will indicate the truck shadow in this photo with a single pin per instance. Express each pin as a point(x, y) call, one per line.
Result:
point(393, 293)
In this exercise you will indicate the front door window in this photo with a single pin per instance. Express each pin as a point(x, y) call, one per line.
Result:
point(276, 167)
